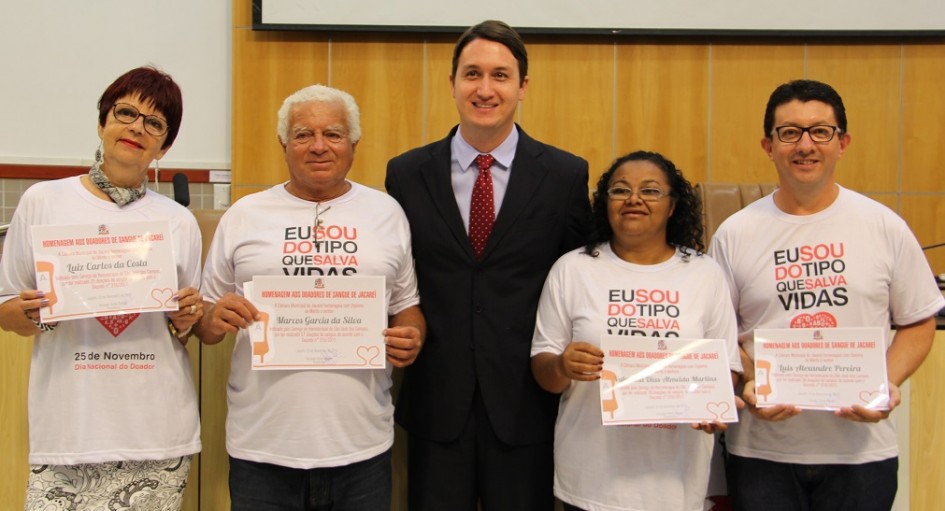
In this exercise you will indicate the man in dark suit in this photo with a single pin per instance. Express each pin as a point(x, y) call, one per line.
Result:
point(480, 429)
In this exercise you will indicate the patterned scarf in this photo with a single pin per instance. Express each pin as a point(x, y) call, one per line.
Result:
point(119, 195)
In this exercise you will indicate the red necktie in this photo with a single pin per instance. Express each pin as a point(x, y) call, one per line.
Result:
point(482, 208)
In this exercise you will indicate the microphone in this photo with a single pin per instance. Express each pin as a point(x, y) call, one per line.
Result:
point(181, 190)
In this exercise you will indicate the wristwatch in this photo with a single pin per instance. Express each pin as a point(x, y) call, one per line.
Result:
point(180, 335)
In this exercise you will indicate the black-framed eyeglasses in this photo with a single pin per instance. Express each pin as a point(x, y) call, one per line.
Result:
point(818, 133)
point(647, 194)
point(127, 114)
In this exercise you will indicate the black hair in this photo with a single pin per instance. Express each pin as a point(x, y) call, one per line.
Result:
point(684, 230)
point(804, 91)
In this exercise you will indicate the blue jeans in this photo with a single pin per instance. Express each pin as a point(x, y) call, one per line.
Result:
point(361, 486)
point(756, 484)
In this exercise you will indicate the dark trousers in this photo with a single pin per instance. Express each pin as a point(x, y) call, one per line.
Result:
point(756, 484)
point(479, 468)
point(361, 486)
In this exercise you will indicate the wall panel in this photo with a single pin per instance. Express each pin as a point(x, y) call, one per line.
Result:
point(868, 78)
point(891, 200)
point(215, 465)
point(570, 99)
point(438, 100)
point(928, 444)
point(662, 103)
point(14, 435)
point(385, 76)
point(269, 67)
point(923, 104)
point(742, 77)
point(925, 214)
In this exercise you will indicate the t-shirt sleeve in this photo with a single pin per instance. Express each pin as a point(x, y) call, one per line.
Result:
point(913, 294)
point(553, 322)
point(17, 269)
point(404, 291)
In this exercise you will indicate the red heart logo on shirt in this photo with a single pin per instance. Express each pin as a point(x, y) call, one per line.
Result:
point(117, 324)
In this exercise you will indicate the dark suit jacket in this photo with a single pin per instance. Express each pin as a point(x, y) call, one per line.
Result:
point(481, 314)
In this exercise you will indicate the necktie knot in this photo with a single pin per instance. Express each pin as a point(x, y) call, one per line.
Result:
point(484, 161)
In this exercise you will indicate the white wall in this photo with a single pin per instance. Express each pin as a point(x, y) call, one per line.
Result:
point(57, 56)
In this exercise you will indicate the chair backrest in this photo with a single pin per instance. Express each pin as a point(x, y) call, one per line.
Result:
point(207, 219)
point(720, 200)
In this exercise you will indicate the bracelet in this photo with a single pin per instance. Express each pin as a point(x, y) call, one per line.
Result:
point(43, 327)
point(179, 334)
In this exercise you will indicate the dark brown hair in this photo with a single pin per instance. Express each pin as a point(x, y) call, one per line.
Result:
point(496, 31)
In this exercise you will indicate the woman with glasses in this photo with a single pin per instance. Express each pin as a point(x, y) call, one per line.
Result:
point(113, 416)
point(642, 274)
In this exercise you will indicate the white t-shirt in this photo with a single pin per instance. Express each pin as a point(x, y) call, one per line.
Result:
point(854, 264)
point(310, 418)
point(629, 467)
point(83, 406)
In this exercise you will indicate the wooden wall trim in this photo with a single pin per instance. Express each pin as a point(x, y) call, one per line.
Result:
point(46, 172)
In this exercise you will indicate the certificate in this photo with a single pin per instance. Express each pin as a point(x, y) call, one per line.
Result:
point(318, 322)
point(821, 368)
point(648, 380)
point(104, 270)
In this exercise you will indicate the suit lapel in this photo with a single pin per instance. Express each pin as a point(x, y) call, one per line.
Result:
point(525, 178)
point(436, 175)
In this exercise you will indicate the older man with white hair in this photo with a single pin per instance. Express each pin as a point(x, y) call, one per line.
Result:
point(311, 439)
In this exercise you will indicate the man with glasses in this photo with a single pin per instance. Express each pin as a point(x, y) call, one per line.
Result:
point(781, 457)
point(490, 211)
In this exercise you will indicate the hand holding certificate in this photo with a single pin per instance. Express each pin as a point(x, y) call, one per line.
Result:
point(318, 322)
point(821, 369)
point(657, 381)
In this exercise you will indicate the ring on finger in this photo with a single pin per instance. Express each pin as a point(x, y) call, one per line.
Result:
point(193, 309)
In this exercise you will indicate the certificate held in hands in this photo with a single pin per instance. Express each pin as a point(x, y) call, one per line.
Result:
point(821, 369)
point(318, 322)
point(103, 270)
point(649, 380)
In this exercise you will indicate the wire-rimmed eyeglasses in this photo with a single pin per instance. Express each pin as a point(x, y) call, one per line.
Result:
point(647, 194)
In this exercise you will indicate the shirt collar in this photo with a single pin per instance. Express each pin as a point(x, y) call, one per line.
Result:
point(465, 154)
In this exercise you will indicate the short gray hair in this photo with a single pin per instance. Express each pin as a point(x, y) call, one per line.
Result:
point(323, 94)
